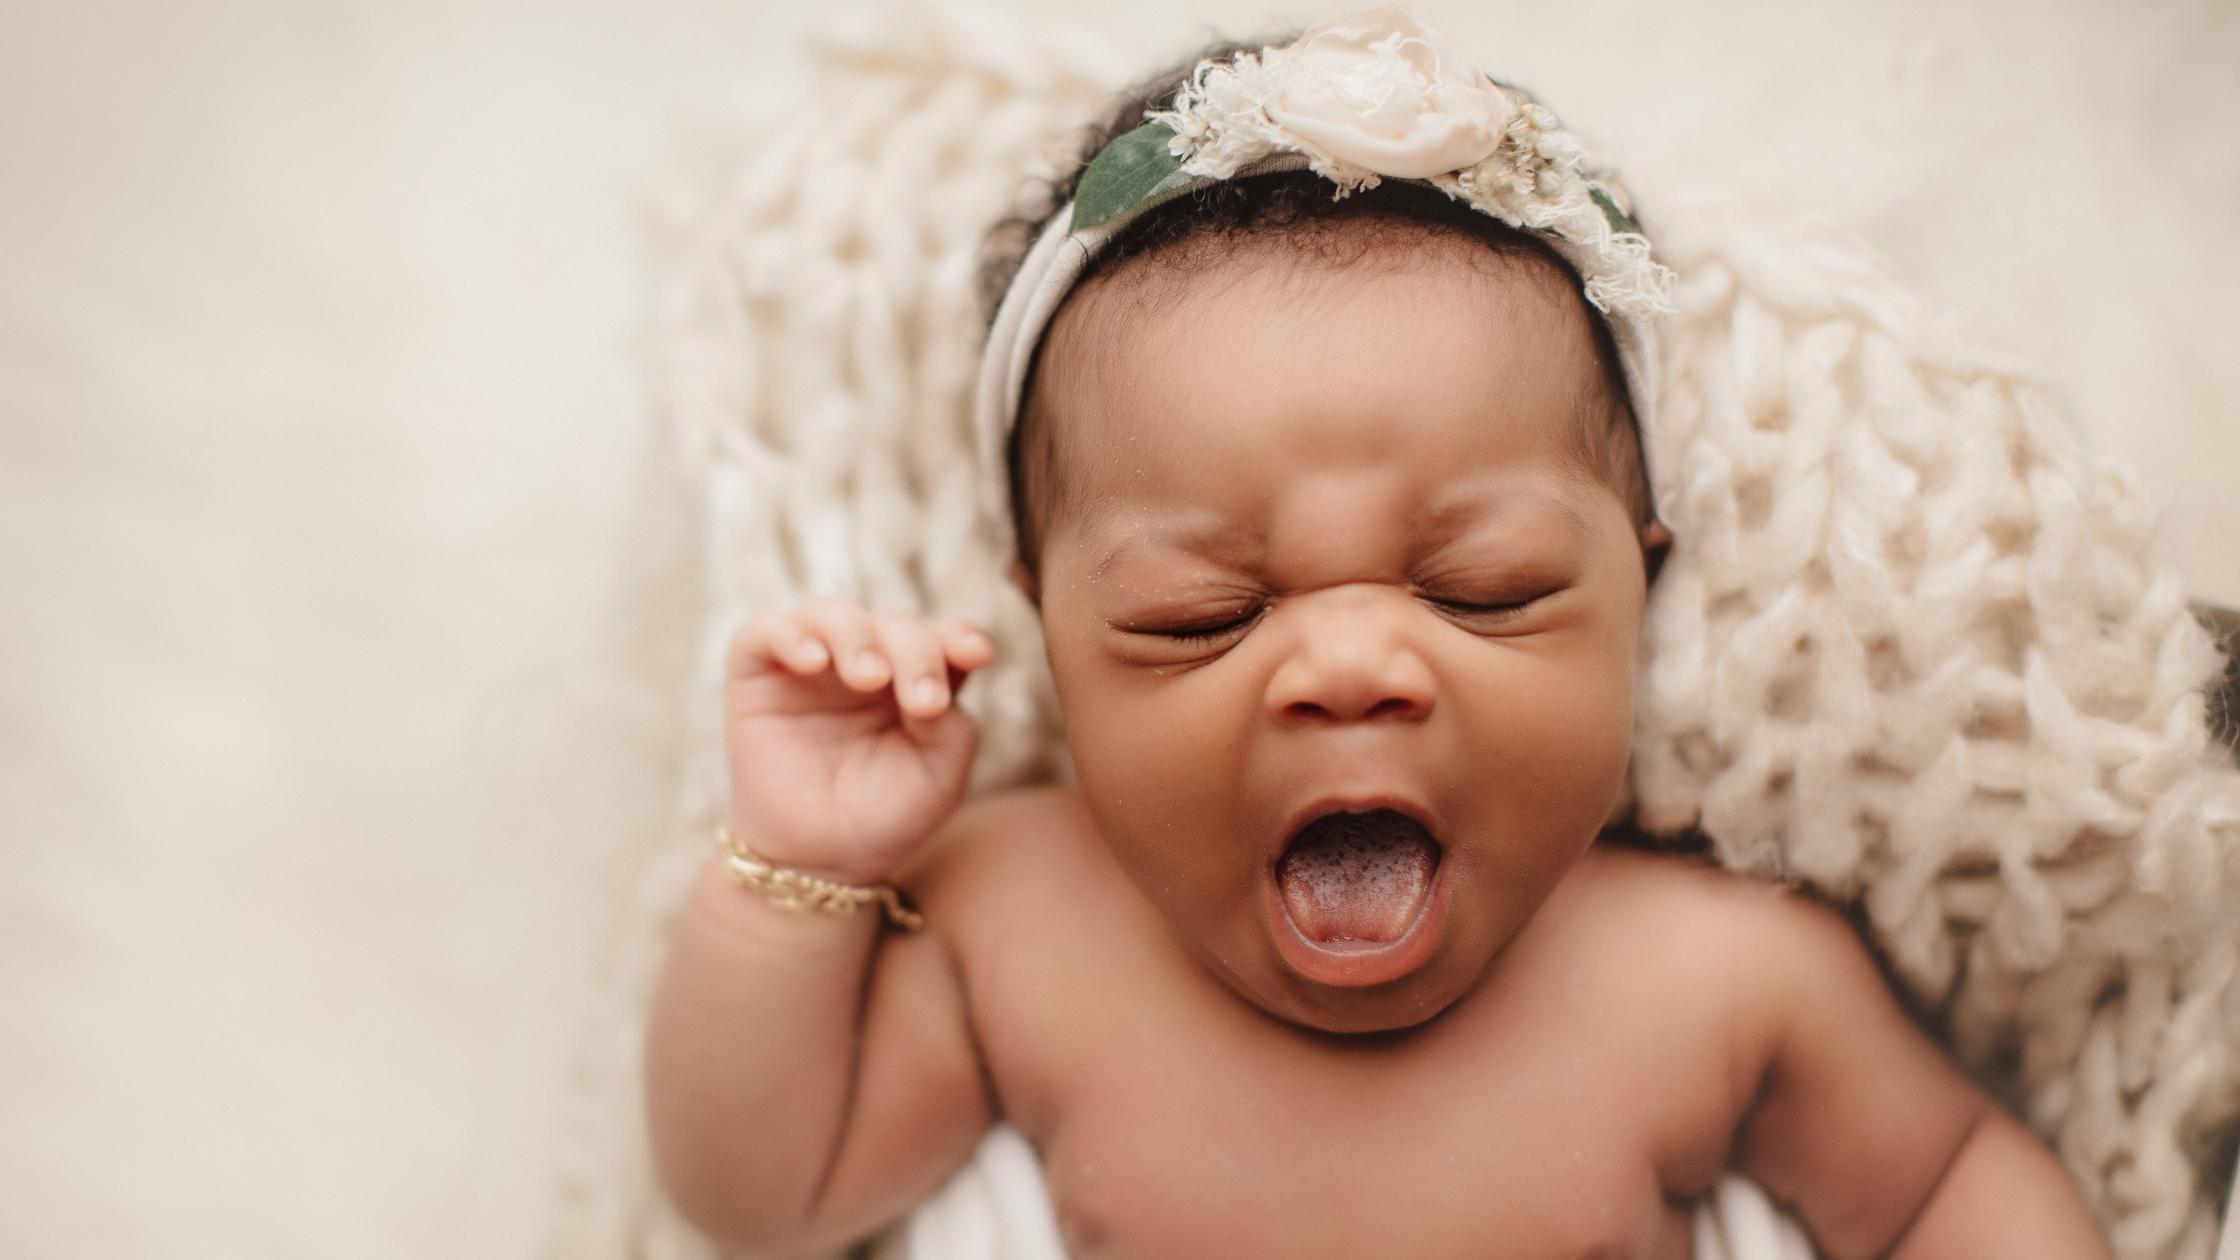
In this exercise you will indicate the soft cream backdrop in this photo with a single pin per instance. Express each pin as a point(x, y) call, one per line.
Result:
point(336, 656)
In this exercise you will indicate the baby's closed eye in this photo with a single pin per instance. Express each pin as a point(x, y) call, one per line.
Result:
point(1205, 630)
point(1496, 609)
point(1478, 607)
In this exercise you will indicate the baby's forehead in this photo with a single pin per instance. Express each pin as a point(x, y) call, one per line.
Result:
point(1178, 362)
point(1236, 317)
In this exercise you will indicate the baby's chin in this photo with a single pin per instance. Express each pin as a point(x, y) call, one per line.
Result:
point(1448, 973)
point(1395, 1007)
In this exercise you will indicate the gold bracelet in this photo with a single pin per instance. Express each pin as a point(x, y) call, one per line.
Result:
point(799, 890)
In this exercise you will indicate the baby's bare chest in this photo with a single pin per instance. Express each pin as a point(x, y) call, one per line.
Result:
point(1209, 1156)
point(1547, 1116)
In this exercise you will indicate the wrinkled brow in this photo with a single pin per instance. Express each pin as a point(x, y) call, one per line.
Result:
point(1438, 523)
point(1229, 544)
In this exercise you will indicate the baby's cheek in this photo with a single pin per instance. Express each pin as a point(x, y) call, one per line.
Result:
point(1152, 767)
point(1569, 724)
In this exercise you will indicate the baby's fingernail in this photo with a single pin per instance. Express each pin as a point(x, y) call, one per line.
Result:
point(868, 663)
point(925, 691)
point(810, 652)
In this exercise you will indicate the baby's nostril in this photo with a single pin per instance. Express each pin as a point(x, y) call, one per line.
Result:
point(1390, 706)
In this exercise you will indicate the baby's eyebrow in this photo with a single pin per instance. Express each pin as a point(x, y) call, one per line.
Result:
point(1217, 541)
point(1451, 515)
point(1442, 521)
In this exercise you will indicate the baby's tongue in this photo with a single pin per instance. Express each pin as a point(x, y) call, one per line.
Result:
point(1357, 877)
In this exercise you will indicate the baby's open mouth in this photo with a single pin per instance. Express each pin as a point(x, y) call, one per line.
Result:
point(1359, 878)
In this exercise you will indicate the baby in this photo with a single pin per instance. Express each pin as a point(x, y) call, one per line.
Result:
point(1334, 512)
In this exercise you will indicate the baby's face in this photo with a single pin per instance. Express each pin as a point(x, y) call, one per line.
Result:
point(1358, 491)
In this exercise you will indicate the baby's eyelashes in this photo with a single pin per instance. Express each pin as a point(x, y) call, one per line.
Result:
point(1208, 630)
point(1489, 611)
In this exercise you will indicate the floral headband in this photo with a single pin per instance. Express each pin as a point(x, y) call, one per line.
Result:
point(1356, 100)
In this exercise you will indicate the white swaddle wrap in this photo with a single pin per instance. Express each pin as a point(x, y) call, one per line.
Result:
point(997, 1208)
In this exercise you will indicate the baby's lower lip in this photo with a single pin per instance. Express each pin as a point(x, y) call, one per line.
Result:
point(1358, 964)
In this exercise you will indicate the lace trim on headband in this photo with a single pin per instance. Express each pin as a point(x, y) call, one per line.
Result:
point(1367, 99)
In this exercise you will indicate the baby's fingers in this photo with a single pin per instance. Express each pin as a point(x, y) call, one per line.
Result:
point(921, 681)
point(848, 633)
point(767, 640)
point(966, 645)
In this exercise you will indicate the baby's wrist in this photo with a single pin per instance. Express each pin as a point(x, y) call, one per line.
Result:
point(815, 860)
point(842, 890)
point(731, 912)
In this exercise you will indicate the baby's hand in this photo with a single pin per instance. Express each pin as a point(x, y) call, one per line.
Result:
point(845, 746)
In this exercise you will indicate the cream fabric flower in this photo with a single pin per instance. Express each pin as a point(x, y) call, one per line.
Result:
point(1371, 97)
point(1373, 91)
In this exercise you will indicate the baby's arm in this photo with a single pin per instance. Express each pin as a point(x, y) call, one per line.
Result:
point(809, 1076)
point(1881, 1143)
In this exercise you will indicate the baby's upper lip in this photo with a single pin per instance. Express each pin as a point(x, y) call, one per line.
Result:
point(1361, 802)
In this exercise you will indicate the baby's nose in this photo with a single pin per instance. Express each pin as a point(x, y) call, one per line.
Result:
point(1351, 665)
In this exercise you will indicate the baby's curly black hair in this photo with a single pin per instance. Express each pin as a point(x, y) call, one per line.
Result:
point(1191, 233)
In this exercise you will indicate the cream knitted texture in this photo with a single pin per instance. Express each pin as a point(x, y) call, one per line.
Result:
point(1914, 647)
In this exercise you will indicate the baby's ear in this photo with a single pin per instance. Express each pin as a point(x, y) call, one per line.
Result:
point(1026, 584)
point(1656, 543)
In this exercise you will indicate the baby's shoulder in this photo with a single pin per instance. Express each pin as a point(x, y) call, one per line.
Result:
point(1748, 952)
point(1687, 913)
point(1642, 877)
point(1705, 971)
point(1007, 825)
point(1008, 838)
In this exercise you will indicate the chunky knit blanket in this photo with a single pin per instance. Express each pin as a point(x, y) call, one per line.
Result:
point(1915, 649)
